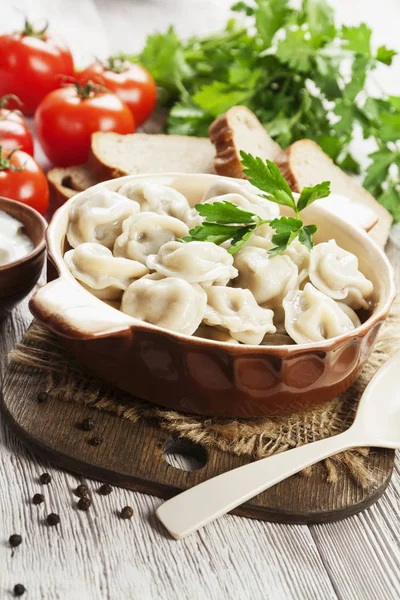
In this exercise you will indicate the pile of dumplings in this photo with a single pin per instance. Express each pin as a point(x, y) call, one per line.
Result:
point(126, 251)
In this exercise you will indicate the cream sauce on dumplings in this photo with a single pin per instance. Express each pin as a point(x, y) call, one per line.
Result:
point(14, 243)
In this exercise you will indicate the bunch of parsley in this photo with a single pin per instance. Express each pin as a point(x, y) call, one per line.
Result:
point(286, 66)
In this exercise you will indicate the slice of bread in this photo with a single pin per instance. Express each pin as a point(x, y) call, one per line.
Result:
point(114, 155)
point(304, 164)
point(239, 129)
point(67, 181)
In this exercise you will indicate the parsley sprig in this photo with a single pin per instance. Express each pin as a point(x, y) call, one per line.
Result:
point(223, 221)
point(285, 63)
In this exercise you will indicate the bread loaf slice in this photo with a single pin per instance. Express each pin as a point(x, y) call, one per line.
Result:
point(304, 164)
point(239, 129)
point(114, 155)
point(67, 181)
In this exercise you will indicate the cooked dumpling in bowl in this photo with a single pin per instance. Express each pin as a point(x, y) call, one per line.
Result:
point(168, 302)
point(334, 271)
point(197, 262)
point(98, 218)
point(145, 233)
point(98, 271)
point(269, 278)
point(243, 195)
point(154, 197)
point(311, 316)
point(237, 311)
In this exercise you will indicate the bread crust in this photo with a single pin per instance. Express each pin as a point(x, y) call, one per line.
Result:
point(283, 162)
point(227, 161)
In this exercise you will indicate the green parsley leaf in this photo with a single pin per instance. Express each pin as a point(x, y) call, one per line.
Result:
point(270, 16)
point(320, 19)
point(212, 232)
point(286, 225)
point(225, 213)
point(296, 50)
point(267, 177)
point(240, 238)
point(305, 235)
point(390, 199)
point(357, 39)
point(384, 55)
point(311, 194)
point(378, 170)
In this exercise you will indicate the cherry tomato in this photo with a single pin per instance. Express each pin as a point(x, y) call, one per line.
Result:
point(23, 180)
point(14, 131)
point(131, 82)
point(32, 64)
point(66, 119)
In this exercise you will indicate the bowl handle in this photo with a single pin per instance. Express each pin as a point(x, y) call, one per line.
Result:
point(73, 312)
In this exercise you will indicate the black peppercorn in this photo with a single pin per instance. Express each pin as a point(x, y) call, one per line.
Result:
point(45, 478)
point(96, 441)
point(38, 499)
point(84, 503)
point(82, 490)
point(88, 424)
point(105, 489)
point(42, 397)
point(126, 512)
point(15, 540)
point(19, 590)
point(53, 519)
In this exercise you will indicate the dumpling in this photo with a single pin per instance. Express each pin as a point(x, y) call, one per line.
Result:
point(168, 302)
point(300, 255)
point(335, 272)
point(154, 197)
point(250, 198)
point(98, 218)
point(237, 311)
point(353, 316)
point(100, 272)
point(264, 212)
point(269, 278)
point(215, 334)
point(311, 316)
point(197, 262)
point(145, 233)
point(261, 238)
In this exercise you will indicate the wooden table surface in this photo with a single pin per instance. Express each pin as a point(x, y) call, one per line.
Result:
point(95, 555)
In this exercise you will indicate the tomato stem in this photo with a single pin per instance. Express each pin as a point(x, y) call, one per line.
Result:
point(115, 63)
point(88, 90)
point(30, 31)
point(5, 161)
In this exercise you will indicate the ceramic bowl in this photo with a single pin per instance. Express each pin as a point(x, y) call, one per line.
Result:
point(19, 278)
point(202, 376)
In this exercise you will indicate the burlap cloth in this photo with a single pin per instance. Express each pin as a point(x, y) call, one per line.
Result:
point(258, 438)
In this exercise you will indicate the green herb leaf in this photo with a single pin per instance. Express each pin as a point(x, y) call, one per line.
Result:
point(311, 194)
point(384, 55)
point(225, 213)
point(357, 39)
point(267, 177)
point(286, 225)
point(240, 238)
point(296, 50)
point(305, 235)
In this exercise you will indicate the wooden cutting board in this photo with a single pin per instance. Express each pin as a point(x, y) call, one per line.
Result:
point(134, 455)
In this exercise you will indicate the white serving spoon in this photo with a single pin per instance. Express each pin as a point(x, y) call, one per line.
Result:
point(377, 424)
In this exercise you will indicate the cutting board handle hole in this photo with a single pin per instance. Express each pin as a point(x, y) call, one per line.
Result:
point(185, 455)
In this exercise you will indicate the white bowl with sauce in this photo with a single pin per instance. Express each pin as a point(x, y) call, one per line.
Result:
point(22, 252)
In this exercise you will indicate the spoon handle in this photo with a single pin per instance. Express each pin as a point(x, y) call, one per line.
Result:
point(207, 501)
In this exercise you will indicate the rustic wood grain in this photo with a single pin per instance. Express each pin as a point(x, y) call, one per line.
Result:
point(95, 556)
point(133, 455)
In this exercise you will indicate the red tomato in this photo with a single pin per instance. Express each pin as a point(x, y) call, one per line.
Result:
point(32, 64)
point(14, 131)
point(23, 180)
point(66, 119)
point(131, 82)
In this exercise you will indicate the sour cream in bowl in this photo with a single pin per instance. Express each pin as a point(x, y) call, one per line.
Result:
point(22, 252)
point(14, 243)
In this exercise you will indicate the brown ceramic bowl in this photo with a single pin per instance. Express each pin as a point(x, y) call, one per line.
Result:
point(18, 278)
point(203, 376)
